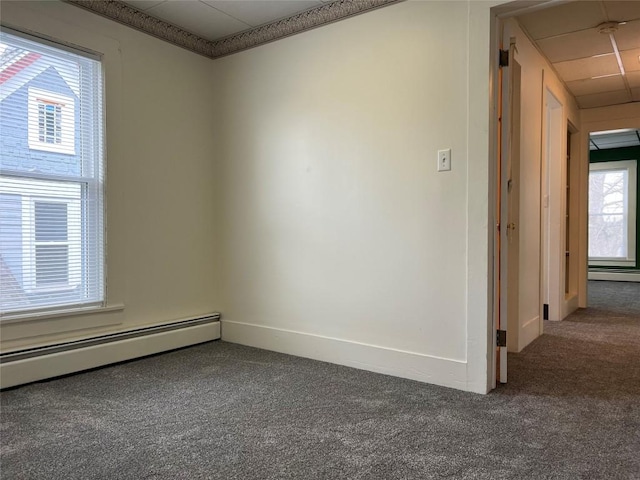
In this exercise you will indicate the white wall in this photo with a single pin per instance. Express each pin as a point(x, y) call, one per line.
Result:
point(161, 176)
point(341, 242)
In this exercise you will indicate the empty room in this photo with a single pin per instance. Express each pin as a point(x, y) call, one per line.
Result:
point(360, 239)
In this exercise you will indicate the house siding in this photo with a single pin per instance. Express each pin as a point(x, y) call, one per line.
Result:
point(14, 134)
point(17, 156)
point(11, 227)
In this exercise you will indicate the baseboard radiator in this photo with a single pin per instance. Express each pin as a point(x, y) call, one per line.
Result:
point(30, 365)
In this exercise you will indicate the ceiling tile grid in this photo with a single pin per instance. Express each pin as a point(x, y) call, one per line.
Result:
point(198, 18)
point(216, 28)
point(600, 66)
point(216, 19)
point(622, 9)
point(144, 4)
point(584, 54)
point(561, 20)
point(259, 12)
point(598, 85)
point(586, 68)
point(614, 139)
point(634, 79)
point(570, 46)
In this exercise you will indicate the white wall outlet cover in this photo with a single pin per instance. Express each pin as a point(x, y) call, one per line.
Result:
point(444, 160)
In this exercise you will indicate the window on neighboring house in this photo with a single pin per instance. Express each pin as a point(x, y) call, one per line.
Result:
point(51, 121)
point(612, 213)
point(51, 178)
point(51, 243)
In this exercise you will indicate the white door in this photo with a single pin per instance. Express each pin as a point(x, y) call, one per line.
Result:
point(508, 198)
point(513, 211)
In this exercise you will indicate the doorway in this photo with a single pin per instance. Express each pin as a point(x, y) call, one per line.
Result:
point(556, 113)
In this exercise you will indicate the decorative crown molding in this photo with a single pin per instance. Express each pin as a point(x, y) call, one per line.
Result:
point(316, 17)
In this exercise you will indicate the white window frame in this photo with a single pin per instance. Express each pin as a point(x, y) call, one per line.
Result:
point(90, 293)
point(67, 142)
point(30, 192)
point(631, 167)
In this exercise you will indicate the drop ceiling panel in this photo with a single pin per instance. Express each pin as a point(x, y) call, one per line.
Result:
point(562, 19)
point(144, 4)
point(587, 67)
point(631, 60)
point(628, 138)
point(603, 99)
point(567, 35)
point(634, 79)
point(258, 12)
point(622, 10)
point(628, 36)
point(585, 43)
point(630, 141)
point(598, 85)
point(198, 18)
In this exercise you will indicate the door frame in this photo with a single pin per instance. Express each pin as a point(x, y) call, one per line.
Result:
point(553, 136)
point(596, 120)
point(499, 14)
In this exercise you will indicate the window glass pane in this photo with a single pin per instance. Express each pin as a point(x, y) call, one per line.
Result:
point(11, 238)
point(608, 205)
point(51, 177)
point(52, 265)
point(51, 222)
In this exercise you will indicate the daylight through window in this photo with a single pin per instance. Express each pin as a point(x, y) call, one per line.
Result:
point(51, 177)
point(612, 225)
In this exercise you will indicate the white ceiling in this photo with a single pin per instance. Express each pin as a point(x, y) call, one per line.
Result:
point(216, 19)
point(614, 139)
point(585, 59)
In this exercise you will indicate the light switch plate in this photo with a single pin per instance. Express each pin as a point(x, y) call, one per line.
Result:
point(444, 160)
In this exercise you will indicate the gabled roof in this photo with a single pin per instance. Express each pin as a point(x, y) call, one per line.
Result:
point(19, 61)
point(18, 67)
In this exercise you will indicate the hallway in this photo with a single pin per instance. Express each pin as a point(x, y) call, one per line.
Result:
point(594, 353)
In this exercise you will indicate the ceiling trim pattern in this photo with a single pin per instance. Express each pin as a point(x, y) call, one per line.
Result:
point(139, 20)
point(300, 22)
point(307, 20)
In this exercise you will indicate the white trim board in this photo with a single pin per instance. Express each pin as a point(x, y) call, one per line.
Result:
point(614, 276)
point(374, 358)
point(53, 365)
point(529, 332)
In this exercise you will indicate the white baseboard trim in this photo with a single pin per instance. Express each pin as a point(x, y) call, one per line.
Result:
point(529, 332)
point(569, 305)
point(614, 276)
point(41, 367)
point(374, 358)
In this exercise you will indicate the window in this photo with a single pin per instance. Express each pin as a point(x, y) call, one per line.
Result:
point(612, 215)
point(50, 234)
point(51, 121)
point(51, 177)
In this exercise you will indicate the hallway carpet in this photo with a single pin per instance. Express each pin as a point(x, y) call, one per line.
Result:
point(571, 410)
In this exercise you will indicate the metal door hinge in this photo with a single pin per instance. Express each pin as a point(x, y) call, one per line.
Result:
point(504, 58)
point(501, 338)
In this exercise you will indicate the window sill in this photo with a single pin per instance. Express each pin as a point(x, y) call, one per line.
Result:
point(52, 148)
point(612, 262)
point(72, 312)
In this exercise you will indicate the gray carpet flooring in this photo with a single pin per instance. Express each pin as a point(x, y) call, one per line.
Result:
point(221, 411)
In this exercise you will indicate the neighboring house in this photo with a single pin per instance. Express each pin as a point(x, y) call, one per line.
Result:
point(40, 218)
